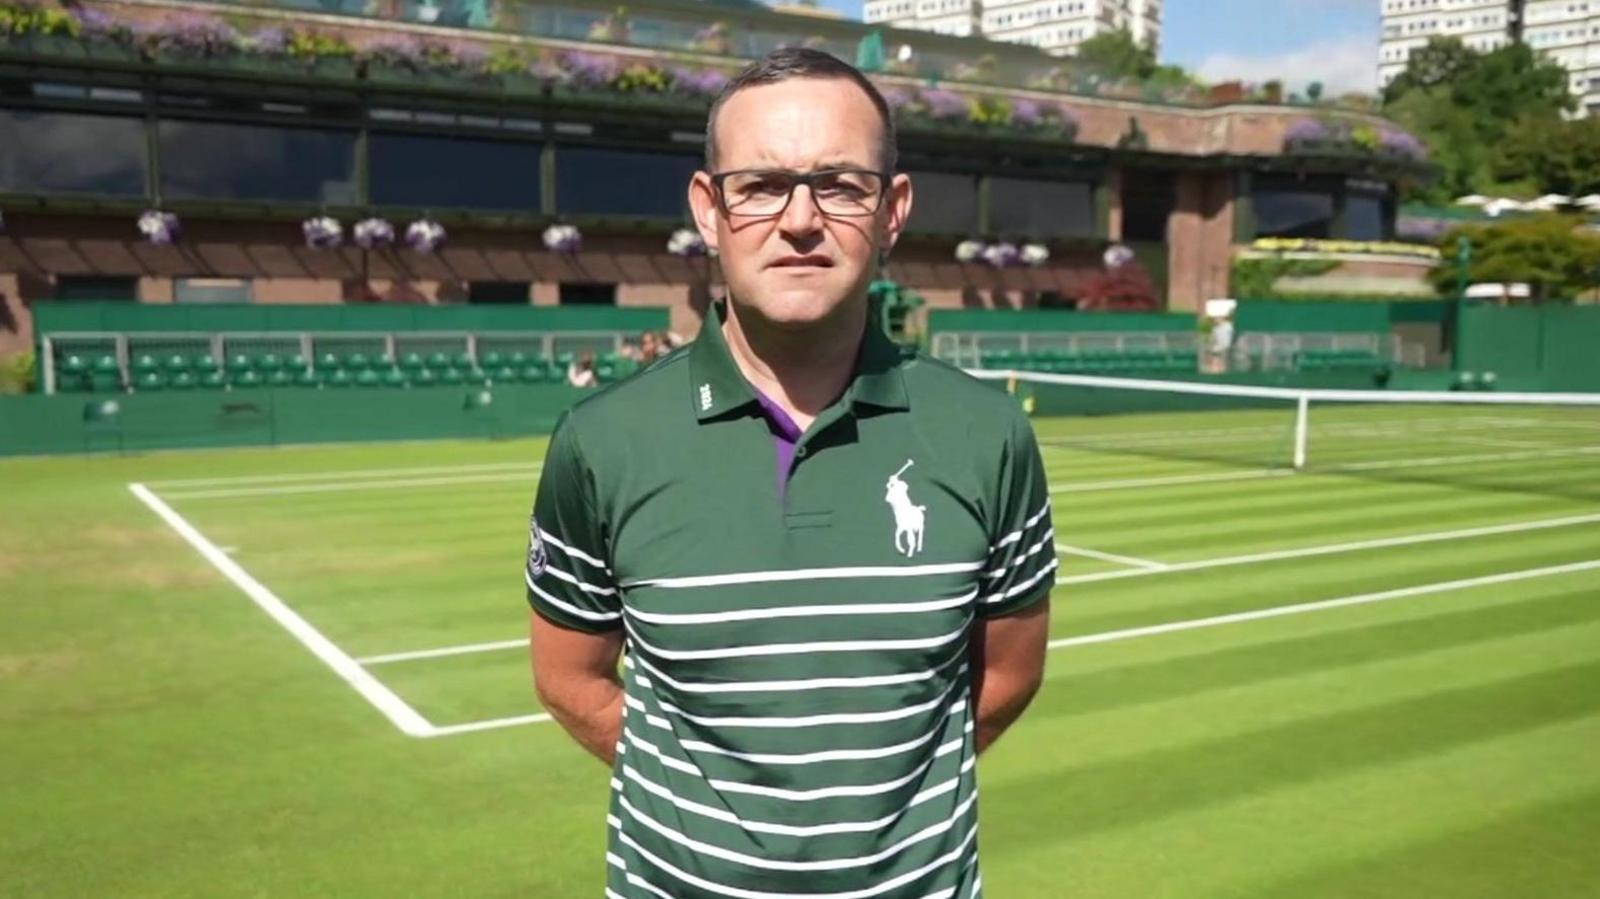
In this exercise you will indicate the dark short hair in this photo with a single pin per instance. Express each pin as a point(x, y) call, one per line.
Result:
point(801, 62)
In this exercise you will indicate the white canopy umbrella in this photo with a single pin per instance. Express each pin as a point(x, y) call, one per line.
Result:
point(1472, 200)
point(1502, 205)
point(1589, 201)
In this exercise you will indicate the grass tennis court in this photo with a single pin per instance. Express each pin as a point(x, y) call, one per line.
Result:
point(1379, 677)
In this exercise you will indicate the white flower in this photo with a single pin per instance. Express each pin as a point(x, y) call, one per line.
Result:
point(969, 250)
point(1035, 254)
point(686, 242)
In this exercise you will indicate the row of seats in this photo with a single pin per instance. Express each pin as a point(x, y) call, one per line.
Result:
point(179, 372)
point(1333, 360)
point(1095, 362)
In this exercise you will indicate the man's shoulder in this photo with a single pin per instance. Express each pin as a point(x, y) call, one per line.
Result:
point(646, 397)
point(939, 384)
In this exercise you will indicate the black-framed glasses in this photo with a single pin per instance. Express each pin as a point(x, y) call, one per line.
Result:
point(765, 193)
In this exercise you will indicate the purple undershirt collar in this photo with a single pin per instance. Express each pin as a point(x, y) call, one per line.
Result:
point(785, 434)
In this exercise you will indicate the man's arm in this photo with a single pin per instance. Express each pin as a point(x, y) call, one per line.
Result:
point(575, 675)
point(1007, 667)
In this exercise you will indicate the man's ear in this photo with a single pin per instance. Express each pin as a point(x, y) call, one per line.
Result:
point(898, 202)
point(703, 206)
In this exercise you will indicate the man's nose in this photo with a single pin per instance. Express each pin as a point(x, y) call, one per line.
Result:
point(801, 216)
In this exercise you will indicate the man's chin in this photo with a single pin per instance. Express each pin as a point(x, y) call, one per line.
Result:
point(792, 309)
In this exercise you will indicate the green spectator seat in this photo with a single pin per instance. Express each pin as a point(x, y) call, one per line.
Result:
point(394, 377)
point(73, 364)
point(105, 377)
point(517, 360)
point(464, 361)
point(438, 361)
point(338, 377)
point(305, 377)
point(247, 379)
point(535, 374)
point(411, 362)
point(294, 362)
point(177, 363)
point(357, 361)
point(213, 380)
point(279, 378)
point(144, 363)
point(149, 380)
point(491, 360)
point(505, 374)
point(605, 373)
point(368, 378)
point(327, 362)
point(239, 363)
point(450, 375)
point(206, 362)
point(182, 381)
point(424, 377)
point(269, 362)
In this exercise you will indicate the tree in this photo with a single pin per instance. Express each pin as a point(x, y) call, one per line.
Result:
point(1551, 156)
point(1550, 253)
point(1115, 54)
point(1463, 104)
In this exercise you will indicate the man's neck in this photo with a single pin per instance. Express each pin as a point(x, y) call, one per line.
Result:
point(802, 371)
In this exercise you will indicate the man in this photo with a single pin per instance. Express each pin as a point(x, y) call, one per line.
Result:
point(828, 559)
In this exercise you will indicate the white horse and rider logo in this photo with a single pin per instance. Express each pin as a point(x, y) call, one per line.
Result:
point(909, 518)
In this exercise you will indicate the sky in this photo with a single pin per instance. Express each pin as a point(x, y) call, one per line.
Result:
point(1296, 41)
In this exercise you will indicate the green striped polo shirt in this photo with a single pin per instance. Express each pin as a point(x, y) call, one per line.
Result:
point(799, 706)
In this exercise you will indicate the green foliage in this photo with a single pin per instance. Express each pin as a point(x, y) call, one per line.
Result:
point(1115, 54)
point(642, 79)
point(1464, 105)
point(1551, 155)
point(506, 61)
point(311, 45)
point(988, 110)
point(19, 372)
point(1253, 279)
point(1550, 253)
point(20, 19)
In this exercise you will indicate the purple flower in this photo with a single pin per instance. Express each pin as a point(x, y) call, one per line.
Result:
point(897, 98)
point(1426, 230)
point(322, 232)
point(1026, 113)
point(562, 239)
point(592, 69)
point(272, 41)
point(472, 57)
point(702, 82)
point(194, 35)
point(399, 51)
point(370, 234)
point(1305, 131)
point(160, 228)
point(943, 104)
point(424, 235)
point(99, 26)
point(1400, 143)
point(1001, 255)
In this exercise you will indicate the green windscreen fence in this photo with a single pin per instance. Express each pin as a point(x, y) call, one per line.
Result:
point(1533, 347)
point(258, 317)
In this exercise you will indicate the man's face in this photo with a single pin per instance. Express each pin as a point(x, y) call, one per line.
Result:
point(800, 266)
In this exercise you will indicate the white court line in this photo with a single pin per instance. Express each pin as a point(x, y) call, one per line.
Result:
point(1108, 557)
point(1385, 465)
point(1341, 602)
point(1171, 626)
point(1334, 548)
point(440, 653)
point(337, 475)
point(382, 698)
point(291, 489)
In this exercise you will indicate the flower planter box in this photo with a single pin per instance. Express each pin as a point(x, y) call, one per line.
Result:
point(401, 78)
point(65, 46)
point(663, 101)
point(275, 67)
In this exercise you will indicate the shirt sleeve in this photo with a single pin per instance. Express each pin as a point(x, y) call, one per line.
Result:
point(1022, 555)
point(568, 579)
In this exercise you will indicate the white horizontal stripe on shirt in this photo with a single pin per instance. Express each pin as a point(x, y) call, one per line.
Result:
point(566, 606)
point(876, 608)
point(908, 711)
point(1013, 591)
point(576, 582)
point(786, 686)
point(805, 574)
point(573, 551)
point(779, 649)
point(1016, 535)
point(1047, 540)
point(742, 893)
point(636, 880)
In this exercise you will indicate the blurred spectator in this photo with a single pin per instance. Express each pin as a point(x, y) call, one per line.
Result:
point(581, 372)
point(631, 350)
point(650, 348)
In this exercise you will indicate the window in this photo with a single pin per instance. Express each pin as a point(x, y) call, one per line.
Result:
point(592, 181)
point(588, 293)
point(499, 292)
point(1041, 209)
point(211, 290)
point(1147, 202)
point(1285, 206)
point(454, 173)
point(1368, 213)
point(207, 160)
point(45, 153)
point(97, 288)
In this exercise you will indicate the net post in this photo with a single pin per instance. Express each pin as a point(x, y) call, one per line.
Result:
point(45, 364)
point(1301, 421)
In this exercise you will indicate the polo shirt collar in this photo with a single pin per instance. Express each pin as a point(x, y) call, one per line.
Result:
point(719, 386)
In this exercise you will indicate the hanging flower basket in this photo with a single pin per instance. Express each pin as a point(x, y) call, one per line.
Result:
point(1035, 254)
point(425, 235)
point(1001, 255)
point(686, 242)
point(969, 250)
point(160, 228)
point(322, 232)
point(1117, 255)
point(563, 239)
point(373, 234)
